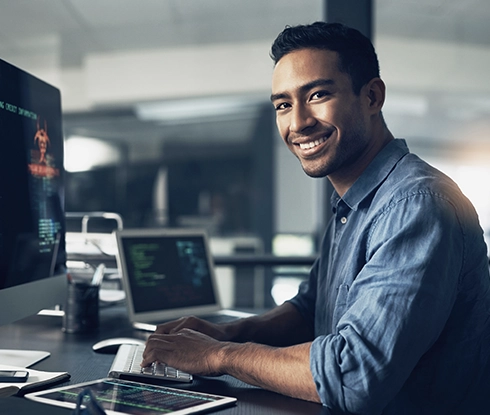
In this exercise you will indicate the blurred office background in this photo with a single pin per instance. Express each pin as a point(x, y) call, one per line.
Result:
point(167, 119)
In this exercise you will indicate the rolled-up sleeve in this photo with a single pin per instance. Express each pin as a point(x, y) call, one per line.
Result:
point(392, 309)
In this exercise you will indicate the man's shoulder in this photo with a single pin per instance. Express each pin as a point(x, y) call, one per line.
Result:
point(412, 175)
point(416, 183)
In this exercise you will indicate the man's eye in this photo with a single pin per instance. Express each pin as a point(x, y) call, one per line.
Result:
point(320, 94)
point(281, 106)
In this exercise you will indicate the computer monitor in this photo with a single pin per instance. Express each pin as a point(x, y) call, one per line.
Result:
point(32, 224)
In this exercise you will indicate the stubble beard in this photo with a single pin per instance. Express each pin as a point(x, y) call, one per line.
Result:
point(345, 153)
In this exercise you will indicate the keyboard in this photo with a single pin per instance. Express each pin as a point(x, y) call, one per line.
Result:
point(126, 365)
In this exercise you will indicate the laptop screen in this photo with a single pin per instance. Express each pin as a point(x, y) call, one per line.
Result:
point(165, 270)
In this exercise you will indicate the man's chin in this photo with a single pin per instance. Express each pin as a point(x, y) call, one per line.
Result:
point(315, 171)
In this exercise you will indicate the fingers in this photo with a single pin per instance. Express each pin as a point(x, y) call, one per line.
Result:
point(160, 343)
point(169, 327)
point(156, 348)
point(187, 350)
point(149, 357)
point(177, 325)
point(164, 348)
point(186, 344)
point(216, 331)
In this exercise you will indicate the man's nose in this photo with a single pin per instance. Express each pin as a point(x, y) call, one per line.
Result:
point(301, 119)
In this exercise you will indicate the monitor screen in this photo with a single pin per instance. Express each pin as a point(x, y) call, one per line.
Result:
point(32, 228)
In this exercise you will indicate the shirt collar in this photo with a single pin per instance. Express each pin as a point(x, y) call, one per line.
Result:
point(375, 173)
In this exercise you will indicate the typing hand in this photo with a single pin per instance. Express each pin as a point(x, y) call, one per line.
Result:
point(186, 350)
point(216, 331)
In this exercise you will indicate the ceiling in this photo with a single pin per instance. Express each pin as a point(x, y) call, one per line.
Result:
point(87, 26)
point(440, 20)
point(78, 28)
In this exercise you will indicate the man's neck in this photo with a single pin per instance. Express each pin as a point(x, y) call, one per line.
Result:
point(344, 178)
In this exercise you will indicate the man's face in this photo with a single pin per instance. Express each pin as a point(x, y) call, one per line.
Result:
point(321, 120)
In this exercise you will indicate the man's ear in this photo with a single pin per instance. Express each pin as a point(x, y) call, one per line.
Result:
point(375, 91)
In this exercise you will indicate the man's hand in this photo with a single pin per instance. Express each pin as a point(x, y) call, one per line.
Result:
point(281, 326)
point(202, 348)
point(216, 331)
point(283, 370)
point(187, 350)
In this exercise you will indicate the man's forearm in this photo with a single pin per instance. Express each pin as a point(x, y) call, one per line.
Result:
point(282, 326)
point(271, 351)
point(283, 370)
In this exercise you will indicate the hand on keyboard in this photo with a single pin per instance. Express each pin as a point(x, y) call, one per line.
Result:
point(187, 350)
point(216, 331)
point(127, 365)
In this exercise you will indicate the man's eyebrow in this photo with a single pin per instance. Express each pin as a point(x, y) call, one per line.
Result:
point(275, 97)
point(304, 88)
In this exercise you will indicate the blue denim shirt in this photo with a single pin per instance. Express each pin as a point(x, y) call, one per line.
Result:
point(400, 298)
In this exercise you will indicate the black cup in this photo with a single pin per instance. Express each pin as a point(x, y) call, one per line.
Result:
point(81, 308)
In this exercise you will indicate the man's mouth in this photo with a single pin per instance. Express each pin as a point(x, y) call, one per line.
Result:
point(312, 144)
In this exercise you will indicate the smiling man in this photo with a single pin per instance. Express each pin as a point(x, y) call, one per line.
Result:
point(333, 130)
point(395, 315)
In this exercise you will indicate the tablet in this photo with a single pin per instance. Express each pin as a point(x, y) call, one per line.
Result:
point(119, 397)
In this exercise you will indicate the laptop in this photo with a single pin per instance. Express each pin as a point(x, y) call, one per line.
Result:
point(168, 274)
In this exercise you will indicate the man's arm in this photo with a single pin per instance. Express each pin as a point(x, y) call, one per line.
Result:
point(284, 370)
point(201, 348)
point(281, 326)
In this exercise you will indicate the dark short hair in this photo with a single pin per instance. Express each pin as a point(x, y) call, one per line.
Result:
point(357, 56)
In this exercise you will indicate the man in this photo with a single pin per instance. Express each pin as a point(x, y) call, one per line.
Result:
point(395, 316)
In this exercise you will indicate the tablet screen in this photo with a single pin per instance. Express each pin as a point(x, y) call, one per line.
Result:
point(118, 396)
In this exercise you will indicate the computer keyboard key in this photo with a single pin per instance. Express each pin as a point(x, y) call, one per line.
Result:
point(126, 364)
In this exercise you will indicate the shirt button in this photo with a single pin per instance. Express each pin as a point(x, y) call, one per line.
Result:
point(343, 220)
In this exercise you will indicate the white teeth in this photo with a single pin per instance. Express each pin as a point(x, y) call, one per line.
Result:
point(312, 144)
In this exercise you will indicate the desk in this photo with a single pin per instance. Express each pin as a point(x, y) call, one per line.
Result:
point(73, 353)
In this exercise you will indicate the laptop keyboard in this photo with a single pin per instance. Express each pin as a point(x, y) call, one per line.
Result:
point(126, 365)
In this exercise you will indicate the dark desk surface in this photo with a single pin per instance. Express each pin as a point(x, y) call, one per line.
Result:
point(73, 353)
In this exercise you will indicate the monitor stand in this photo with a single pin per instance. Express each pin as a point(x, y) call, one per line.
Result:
point(21, 358)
